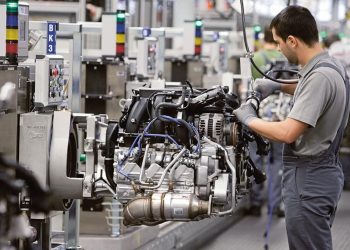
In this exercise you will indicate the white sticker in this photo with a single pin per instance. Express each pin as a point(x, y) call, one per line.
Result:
point(120, 73)
point(178, 211)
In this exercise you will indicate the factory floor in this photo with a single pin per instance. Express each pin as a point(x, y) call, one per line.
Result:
point(248, 233)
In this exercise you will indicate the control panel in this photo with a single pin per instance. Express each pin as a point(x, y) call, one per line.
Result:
point(50, 87)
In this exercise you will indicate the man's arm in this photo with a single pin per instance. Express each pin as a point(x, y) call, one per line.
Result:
point(286, 131)
point(266, 87)
point(289, 88)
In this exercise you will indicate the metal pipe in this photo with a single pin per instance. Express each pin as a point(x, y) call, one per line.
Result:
point(166, 170)
point(104, 185)
point(164, 207)
point(233, 175)
point(143, 163)
point(171, 176)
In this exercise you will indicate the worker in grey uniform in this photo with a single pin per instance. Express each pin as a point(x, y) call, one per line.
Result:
point(312, 175)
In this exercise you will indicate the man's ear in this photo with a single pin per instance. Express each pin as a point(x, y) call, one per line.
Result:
point(292, 41)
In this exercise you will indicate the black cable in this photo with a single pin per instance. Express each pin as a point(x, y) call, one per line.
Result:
point(282, 70)
point(170, 105)
point(288, 2)
point(249, 52)
point(188, 103)
point(190, 86)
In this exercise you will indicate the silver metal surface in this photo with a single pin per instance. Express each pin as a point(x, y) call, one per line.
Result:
point(62, 10)
point(195, 71)
point(89, 149)
point(164, 206)
point(71, 225)
point(34, 144)
point(61, 185)
point(74, 87)
point(63, 27)
point(233, 177)
point(221, 189)
point(213, 126)
point(115, 218)
point(23, 31)
point(116, 81)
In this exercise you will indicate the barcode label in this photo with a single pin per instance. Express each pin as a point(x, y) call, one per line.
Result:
point(178, 211)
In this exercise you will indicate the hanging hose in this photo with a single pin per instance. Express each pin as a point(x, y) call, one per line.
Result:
point(171, 105)
point(250, 53)
point(111, 137)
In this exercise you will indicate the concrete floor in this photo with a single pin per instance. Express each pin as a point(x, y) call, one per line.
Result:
point(247, 234)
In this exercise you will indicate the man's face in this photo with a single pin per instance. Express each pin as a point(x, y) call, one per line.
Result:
point(285, 48)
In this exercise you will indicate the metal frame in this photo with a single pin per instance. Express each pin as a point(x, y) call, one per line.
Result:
point(77, 9)
point(73, 32)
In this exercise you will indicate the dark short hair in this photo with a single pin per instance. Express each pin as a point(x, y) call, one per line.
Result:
point(268, 37)
point(330, 40)
point(296, 21)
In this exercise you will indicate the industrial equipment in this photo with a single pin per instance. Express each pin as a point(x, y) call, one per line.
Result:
point(176, 154)
point(49, 82)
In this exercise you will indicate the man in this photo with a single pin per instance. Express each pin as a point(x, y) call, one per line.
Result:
point(267, 55)
point(312, 175)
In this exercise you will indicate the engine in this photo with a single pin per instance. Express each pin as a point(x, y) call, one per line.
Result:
point(179, 155)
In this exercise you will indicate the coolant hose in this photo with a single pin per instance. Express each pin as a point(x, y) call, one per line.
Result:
point(111, 137)
point(171, 105)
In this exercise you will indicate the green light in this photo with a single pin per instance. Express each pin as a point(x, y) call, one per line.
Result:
point(12, 6)
point(341, 35)
point(323, 34)
point(199, 23)
point(121, 15)
point(82, 158)
point(257, 28)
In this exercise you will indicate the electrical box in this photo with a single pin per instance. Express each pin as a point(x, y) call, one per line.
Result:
point(50, 86)
point(147, 56)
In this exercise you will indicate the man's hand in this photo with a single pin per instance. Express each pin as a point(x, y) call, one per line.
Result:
point(246, 113)
point(266, 87)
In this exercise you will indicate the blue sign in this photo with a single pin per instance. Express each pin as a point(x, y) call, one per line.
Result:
point(51, 38)
point(146, 32)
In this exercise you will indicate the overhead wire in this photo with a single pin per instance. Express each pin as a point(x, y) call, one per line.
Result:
point(249, 53)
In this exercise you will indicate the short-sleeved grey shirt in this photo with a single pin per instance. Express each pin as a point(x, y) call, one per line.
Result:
point(319, 101)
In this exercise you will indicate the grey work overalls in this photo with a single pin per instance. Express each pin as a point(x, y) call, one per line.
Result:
point(311, 190)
